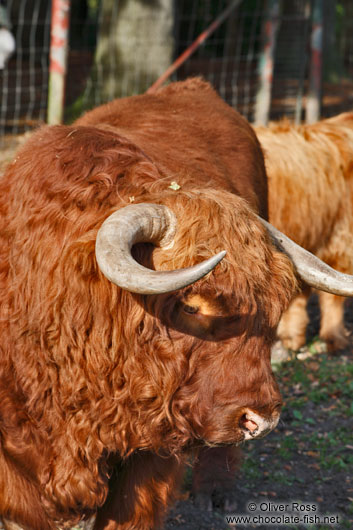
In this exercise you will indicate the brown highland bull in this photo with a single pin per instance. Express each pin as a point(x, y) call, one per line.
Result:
point(123, 345)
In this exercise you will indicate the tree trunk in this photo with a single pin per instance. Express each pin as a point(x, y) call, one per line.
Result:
point(135, 46)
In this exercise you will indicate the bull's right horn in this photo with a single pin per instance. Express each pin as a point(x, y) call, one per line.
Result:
point(311, 269)
point(138, 223)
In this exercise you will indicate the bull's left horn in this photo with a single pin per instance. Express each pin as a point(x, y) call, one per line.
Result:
point(311, 269)
point(142, 223)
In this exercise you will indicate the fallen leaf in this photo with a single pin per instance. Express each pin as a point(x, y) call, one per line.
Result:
point(315, 466)
point(313, 454)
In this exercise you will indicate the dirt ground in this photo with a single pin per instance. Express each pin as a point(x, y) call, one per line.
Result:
point(307, 460)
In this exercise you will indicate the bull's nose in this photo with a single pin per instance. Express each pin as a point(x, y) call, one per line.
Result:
point(255, 426)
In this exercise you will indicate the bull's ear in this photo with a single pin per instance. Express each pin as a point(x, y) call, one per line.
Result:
point(311, 269)
point(143, 223)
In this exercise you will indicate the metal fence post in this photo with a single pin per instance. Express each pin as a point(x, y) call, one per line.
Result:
point(266, 63)
point(313, 104)
point(58, 60)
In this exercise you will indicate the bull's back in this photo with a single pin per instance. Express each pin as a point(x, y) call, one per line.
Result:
point(193, 137)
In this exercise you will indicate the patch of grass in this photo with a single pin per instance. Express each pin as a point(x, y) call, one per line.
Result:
point(251, 469)
point(282, 477)
point(326, 388)
point(317, 381)
point(284, 453)
point(346, 525)
point(287, 447)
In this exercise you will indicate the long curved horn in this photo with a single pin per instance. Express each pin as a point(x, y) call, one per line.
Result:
point(138, 223)
point(311, 269)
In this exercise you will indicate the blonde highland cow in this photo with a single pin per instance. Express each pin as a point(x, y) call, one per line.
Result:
point(310, 171)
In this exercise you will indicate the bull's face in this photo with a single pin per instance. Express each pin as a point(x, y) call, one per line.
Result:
point(229, 393)
point(202, 339)
point(205, 358)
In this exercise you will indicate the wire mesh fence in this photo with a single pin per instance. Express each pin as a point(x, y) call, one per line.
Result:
point(230, 56)
point(24, 80)
point(118, 48)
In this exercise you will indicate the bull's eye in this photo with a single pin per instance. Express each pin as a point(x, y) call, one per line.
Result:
point(190, 309)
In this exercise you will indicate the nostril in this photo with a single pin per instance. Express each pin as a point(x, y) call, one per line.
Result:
point(248, 423)
point(255, 425)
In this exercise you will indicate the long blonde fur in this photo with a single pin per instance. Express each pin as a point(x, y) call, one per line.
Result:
point(310, 176)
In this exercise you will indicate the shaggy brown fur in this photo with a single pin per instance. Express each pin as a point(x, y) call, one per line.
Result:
point(103, 392)
point(213, 477)
point(310, 169)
